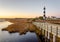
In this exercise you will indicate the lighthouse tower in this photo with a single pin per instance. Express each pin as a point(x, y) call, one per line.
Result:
point(44, 12)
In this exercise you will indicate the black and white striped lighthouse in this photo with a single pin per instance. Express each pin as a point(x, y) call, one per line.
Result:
point(44, 16)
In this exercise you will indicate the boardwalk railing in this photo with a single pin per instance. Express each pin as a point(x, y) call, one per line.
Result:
point(48, 28)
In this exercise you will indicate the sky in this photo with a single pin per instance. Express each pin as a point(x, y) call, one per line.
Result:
point(28, 8)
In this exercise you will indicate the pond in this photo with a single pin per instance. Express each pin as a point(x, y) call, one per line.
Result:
point(5, 36)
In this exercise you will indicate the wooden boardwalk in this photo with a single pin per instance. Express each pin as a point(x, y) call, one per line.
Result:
point(50, 31)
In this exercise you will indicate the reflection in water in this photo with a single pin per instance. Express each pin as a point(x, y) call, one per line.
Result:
point(15, 37)
point(29, 37)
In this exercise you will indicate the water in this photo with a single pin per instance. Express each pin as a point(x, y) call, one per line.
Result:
point(5, 36)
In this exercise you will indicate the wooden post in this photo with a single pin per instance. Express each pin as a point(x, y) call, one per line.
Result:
point(41, 29)
point(47, 31)
point(40, 26)
point(51, 29)
point(54, 38)
point(50, 32)
point(48, 35)
point(56, 33)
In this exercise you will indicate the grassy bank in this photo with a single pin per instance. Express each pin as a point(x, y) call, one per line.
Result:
point(21, 26)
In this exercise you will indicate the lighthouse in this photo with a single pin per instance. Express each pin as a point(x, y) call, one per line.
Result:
point(44, 13)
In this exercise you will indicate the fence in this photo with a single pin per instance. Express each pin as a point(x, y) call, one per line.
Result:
point(48, 28)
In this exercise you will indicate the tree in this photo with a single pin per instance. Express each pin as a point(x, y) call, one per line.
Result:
point(41, 17)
